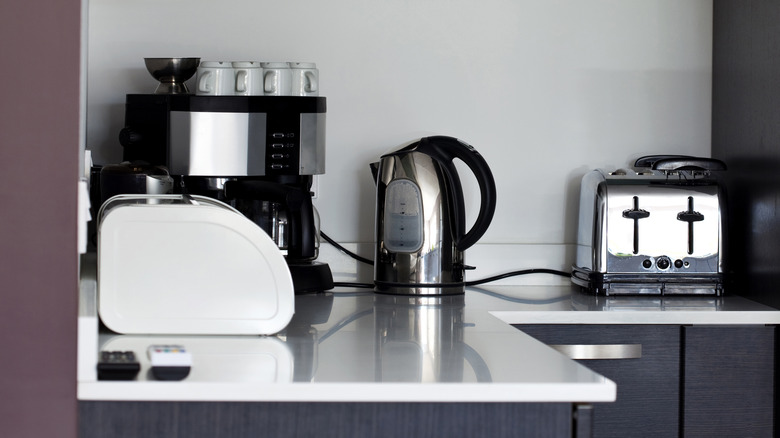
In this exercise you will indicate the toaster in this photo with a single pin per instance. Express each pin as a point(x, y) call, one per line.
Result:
point(656, 229)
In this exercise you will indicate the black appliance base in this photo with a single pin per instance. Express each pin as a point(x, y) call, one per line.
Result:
point(601, 283)
point(310, 277)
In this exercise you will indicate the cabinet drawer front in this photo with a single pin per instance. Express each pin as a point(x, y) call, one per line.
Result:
point(646, 369)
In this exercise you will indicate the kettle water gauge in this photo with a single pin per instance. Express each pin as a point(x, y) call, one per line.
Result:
point(403, 217)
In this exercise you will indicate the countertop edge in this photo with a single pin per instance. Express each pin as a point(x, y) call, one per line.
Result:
point(641, 317)
point(604, 391)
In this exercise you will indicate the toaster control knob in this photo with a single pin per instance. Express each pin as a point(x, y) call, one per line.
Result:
point(647, 263)
point(678, 263)
point(663, 263)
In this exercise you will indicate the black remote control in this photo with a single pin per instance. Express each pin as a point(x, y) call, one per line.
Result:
point(117, 365)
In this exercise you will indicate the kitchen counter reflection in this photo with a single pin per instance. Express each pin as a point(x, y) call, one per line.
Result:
point(422, 340)
point(354, 345)
point(414, 339)
point(361, 346)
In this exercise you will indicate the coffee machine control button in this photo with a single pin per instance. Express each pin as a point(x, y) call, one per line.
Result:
point(277, 166)
point(277, 156)
point(277, 145)
point(277, 135)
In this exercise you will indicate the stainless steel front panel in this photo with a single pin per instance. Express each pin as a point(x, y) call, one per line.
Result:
point(217, 143)
point(662, 241)
point(235, 144)
point(312, 144)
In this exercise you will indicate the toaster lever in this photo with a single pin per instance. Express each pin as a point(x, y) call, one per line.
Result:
point(690, 216)
point(635, 214)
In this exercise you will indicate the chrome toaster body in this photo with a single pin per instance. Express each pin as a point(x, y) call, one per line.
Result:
point(650, 232)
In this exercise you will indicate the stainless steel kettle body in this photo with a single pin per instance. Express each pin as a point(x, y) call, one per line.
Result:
point(420, 217)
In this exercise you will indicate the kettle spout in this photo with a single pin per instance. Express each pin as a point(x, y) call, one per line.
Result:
point(374, 169)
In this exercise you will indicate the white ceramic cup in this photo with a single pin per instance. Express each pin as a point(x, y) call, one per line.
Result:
point(249, 78)
point(305, 79)
point(215, 78)
point(277, 79)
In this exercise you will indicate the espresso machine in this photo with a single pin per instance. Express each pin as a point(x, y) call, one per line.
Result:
point(256, 153)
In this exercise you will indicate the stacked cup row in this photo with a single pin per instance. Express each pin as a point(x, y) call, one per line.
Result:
point(253, 78)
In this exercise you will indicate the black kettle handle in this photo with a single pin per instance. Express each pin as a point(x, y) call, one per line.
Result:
point(445, 149)
point(298, 204)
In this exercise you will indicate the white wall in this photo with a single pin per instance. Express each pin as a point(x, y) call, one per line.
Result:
point(545, 90)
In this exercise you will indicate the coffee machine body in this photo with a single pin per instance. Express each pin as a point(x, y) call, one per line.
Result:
point(226, 135)
point(259, 154)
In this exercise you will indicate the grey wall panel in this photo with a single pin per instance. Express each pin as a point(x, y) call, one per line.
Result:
point(746, 135)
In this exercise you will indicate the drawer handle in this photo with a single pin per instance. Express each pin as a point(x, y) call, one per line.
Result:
point(602, 351)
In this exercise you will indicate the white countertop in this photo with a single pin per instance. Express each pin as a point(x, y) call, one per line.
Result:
point(358, 346)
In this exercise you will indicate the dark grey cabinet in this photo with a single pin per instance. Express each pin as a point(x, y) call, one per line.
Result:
point(690, 381)
point(729, 381)
point(337, 420)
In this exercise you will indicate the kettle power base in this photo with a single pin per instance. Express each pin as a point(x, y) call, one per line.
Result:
point(419, 289)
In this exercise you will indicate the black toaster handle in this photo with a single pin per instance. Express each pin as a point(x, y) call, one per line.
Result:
point(649, 160)
point(689, 163)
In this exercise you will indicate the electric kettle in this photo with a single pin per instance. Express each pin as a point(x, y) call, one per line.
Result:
point(421, 219)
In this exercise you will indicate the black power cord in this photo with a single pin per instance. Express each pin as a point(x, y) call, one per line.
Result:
point(357, 285)
point(517, 273)
point(467, 283)
point(345, 250)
